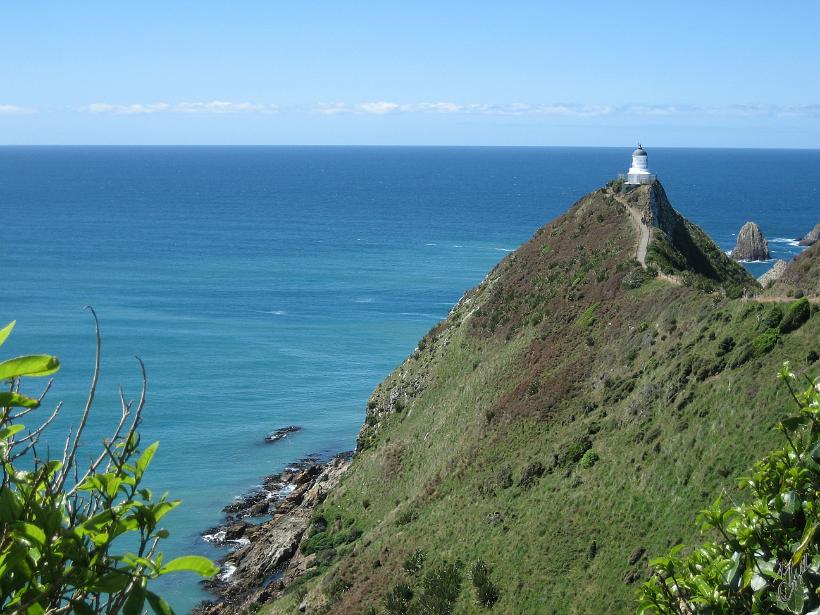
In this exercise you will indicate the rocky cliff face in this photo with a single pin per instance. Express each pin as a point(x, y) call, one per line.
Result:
point(656, 210)
point(812, 237)
point(751, 244)
point(268, 556)
point(681, 249)
point(773, 274)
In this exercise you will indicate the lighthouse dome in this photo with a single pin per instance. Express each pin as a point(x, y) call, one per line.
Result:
point(639, 171)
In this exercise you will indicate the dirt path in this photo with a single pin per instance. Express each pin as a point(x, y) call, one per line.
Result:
point(779, 299)
point(643, 231)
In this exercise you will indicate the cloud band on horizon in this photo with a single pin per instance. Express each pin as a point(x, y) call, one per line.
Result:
point(386, 108)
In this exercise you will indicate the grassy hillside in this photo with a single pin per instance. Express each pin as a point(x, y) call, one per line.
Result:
point(563, 424)
point(802, 276)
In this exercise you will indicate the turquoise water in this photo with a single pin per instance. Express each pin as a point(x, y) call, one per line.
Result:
point(272, 286)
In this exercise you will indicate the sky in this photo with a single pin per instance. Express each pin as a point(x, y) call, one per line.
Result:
point(693, 74)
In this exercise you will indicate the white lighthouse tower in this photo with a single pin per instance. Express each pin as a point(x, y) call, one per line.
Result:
point(639, 171)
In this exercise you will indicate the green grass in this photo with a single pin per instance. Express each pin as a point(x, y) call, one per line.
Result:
point(556, 454)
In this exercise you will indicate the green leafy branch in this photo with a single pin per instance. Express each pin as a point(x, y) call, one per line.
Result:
point(59, 522)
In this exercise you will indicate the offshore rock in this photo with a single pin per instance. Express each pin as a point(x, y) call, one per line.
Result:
point(775, 273)
point(281, 433)
point(811, 237)
point(751, 244)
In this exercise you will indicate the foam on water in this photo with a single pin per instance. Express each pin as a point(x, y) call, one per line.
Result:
point(795, 243)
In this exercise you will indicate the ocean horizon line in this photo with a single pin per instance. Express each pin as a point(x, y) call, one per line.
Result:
point(391, 146)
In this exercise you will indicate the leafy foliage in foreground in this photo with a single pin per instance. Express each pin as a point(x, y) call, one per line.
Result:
point(59, 522)
point(767, 558)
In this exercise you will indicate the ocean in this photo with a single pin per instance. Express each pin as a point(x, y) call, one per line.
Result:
point(274, 286)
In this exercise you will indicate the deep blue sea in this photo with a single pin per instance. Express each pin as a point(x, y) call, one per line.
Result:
point(270, 286)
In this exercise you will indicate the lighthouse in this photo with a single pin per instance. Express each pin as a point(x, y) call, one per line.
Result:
point(639, 171)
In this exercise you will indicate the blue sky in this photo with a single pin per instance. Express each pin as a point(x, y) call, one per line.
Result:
point(730, 74)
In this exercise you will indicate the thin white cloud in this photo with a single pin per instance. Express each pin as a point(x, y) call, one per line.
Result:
point(803, 110)
point(379, 108)
point(387, 108)
point(15, 110)
point(208, 107)
point(724, 110)
point(383, 107)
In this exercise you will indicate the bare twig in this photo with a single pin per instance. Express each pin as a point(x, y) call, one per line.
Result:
point(34, 436)
point(91, 391)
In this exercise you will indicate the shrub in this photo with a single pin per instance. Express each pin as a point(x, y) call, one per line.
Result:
point(765, 342)
point(440, 589)
point(589, 459)
point(486, 593)
point(337, 587)
point(772, 318)
point(78, 538)
point(765, 559)
point(324, 537)
point(743, 354)
point(398, 600)
point(531, 474)
point(587, 317)
point(414, 562)
point(796, 314)
point(406, 516)
point(575, 451)
point(638, 277)
point(725, 346)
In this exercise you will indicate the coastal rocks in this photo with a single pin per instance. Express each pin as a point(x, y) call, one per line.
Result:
point(773, 274)
point(270, 495)
point(282, 432)
point(267, 557)
point(751, 244)
point(811, 237)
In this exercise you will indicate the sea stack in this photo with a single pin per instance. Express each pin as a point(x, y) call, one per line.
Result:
point(811, 237)
point(751, 244)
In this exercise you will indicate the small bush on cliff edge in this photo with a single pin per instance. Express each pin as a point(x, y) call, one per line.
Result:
point(59, 521)
point(796, 314)
point(766, 558)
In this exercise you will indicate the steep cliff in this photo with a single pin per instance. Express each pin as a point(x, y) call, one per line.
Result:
point(751, 245)
point(564, 423)
point(812, 237)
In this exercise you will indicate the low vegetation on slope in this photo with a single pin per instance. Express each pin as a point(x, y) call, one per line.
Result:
point(566, 421)
point(766, 557)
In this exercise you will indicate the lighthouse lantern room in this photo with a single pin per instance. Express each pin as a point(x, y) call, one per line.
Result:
point(639, 171)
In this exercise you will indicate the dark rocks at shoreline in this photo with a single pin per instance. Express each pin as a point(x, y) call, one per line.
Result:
point(281, 433)
point(267, 556)
point(265, 498)
point(812, 237)
point(751, 244)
